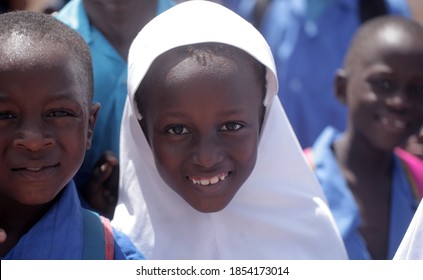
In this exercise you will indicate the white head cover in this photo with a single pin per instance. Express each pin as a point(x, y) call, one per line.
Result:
point(411, 247)
point(279, 212)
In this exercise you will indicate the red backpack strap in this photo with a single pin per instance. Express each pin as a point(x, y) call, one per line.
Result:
point(413, 168)
point(108, 238)
point(98, 237)
point(308, 152)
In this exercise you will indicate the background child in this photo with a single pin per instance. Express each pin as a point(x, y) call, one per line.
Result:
point(366, 184)
point(46, 124)
point(210, 166)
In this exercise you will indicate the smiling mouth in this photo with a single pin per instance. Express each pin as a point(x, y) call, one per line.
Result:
point(394, 123)
point(209, 181)
point(34, 168)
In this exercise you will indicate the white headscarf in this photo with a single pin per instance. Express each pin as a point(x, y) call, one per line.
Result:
point(278, 213)
point(411, 247)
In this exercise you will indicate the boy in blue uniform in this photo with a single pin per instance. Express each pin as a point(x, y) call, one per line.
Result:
point(47, 120)
point(366, 184)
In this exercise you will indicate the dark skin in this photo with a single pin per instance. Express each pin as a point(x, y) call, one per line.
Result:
point(124, 20)
point(192, 142)
point(46, 125)
point(382, 85)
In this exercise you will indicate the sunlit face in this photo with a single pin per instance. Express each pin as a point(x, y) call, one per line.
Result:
point(45, 123)
point(202, 119)
point(384, 90)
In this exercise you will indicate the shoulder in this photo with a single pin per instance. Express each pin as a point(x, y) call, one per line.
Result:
point(124, 248)
point(399, 7)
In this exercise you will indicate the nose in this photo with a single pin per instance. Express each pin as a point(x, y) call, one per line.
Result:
point(33, 136)
point(207, 151)
point(398, 100)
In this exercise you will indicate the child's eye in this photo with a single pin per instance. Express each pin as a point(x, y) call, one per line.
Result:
point(231, 126)
point(383, 85)
point(60, 113)
point(416, 90)
point(177, 130)
point(6, 116)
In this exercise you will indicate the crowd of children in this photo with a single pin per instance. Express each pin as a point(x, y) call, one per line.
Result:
point(209, 166)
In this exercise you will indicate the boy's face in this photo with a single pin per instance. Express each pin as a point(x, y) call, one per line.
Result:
point(45, 122)
point(203, 126)
point(384, 89)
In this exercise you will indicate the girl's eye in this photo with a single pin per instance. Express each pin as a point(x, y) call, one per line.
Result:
point(6, 116)
point(231, 126)
point(60, 113)
point(177, 130)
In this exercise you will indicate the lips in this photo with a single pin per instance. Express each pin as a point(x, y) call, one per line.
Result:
point(35, 167)
point(208, 181)
point(36, 172)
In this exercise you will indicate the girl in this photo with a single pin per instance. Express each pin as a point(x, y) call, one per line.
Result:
point(210, 166)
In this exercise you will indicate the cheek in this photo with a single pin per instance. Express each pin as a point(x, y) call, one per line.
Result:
point(244, 153)
point(168, 158)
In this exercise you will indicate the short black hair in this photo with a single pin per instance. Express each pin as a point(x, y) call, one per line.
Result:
point(44, 28)
point(368, 30)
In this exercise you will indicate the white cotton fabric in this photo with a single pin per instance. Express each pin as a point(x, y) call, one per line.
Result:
point(411, 247)
point(280, 211)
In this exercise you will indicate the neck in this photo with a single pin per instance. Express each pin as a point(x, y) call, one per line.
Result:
point(120, 21)
point(17, 219)
point(355, 154)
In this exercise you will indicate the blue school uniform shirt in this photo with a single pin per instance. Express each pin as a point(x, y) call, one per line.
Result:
point(110, 83)
point(307, 53)
point(344, 207)
point(59, 235)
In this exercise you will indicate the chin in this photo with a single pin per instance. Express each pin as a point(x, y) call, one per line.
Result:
point(209, 206)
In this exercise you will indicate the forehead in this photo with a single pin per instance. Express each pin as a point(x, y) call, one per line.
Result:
point(203, 62)
point(178, 76)
point(386, 43)
point(23, 50)
point(29, 66)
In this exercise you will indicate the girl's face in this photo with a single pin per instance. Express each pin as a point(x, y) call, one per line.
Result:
point(202, 118)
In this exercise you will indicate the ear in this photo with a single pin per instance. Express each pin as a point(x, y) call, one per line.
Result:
point(92, 119)
point(340, 86)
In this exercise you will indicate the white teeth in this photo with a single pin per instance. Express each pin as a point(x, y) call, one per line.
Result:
point(385, 121)
point(395, 123)
point(211, 181)
point(204, 182)
point(214, 180)
point(33, 168)
point(399, 124)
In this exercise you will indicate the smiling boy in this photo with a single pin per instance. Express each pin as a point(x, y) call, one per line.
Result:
point(47, 120)
point(366, 184)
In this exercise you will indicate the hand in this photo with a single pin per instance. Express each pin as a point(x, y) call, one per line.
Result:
point(101, 191)
point(3, 235)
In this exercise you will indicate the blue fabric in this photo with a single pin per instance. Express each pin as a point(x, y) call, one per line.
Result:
point(344, 207)
point(110, 83)
point(244, 8)
point(307, 54)
point(58, 235)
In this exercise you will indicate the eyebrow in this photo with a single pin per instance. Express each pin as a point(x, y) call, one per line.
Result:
point(227, 113)
point(62, 95)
